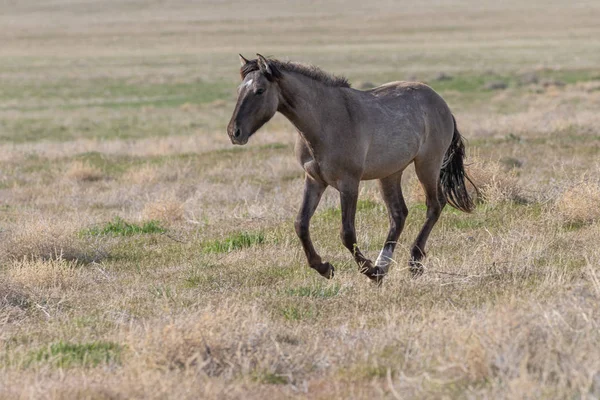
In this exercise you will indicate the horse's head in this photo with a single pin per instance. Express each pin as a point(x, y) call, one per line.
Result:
point(258, 99)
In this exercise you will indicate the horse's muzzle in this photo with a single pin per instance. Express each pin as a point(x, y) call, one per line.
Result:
point(236, 135)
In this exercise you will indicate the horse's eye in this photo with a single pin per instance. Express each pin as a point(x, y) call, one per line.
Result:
point(260, 91)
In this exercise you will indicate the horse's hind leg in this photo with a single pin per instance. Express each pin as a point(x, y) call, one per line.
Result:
point(391, 191)
point(428, 172)
point(313, 191)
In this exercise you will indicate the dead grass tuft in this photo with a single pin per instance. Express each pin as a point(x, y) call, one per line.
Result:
point(207, 343)
point(37, 287)
point(14, 302)
point(49, 239)
point(495, 183)
point(579, 204)
point(168, 211)
point(83, 172)
point(32, 274)
point(143, 175)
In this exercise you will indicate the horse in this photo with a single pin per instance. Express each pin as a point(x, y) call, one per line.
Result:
point(346, 136)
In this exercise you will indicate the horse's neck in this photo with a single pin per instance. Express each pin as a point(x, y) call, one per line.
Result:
point(309, 105)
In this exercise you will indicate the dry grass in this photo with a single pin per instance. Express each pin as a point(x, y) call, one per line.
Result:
point(83, 172)
point(49, 238)
point(37, 286)
point(579, 204)
point(169, 211)
point(494, 182)
point(120, 120)
point(142, 176)
point(56, 274)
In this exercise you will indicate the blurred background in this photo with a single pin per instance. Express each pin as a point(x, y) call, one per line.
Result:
point(99, 65)
point(144, 256)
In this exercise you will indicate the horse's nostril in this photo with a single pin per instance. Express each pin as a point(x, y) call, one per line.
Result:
point(237, 132)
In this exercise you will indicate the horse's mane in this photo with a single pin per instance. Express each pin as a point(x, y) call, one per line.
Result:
point(308, 70)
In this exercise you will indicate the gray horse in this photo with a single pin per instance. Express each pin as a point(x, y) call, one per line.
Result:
point(347, 135)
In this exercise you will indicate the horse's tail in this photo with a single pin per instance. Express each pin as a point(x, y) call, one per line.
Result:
point(453, 175)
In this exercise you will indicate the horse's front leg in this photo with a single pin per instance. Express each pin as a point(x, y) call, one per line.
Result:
point(313, 190)
point(348, 199)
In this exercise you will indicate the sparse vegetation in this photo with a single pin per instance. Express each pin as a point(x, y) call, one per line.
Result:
point(119, 227)
point(68, 355)
point(579, 204)
point(49, 238)
point(168, 211)
point(81, 171)
point(495, 183)
point(234, 242)
point(318, 291)
point(124, 113)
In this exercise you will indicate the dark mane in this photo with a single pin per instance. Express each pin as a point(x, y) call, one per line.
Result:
point(308, 70)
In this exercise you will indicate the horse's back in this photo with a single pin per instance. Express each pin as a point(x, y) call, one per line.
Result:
point(418, 100)
point(407, 94)
point(410, 120)
point(396, 87)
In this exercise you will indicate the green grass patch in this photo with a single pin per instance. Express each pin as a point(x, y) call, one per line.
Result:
point(476, 82)
point(368, 371)
point(269, 378)
point(297, 312)
point(116, 93)
point(120, 227)
point(133, 125)
point(162, 291)
point(367, 205)
point(236, 241)
point(199, 276)
point(419, 207)
point(274, 146)
point(65, 354)
point(375, 371)
point(574, 226)
point(330, 213)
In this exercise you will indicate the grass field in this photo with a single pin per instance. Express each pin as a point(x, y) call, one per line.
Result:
point(144, 256)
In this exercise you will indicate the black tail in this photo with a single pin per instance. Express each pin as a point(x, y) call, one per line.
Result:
point(453, 175)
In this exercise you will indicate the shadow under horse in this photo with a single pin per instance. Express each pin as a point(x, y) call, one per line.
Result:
point(347, 135)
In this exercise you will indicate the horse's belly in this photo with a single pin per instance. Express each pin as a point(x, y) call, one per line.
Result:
point(378, 170)
point(385, 159)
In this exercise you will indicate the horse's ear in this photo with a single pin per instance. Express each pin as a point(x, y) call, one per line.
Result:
point(263, 64)
point(243, 60)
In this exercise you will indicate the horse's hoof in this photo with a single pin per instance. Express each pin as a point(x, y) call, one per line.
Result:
point(416, 268)
point(376, 275)
point(325, 269)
